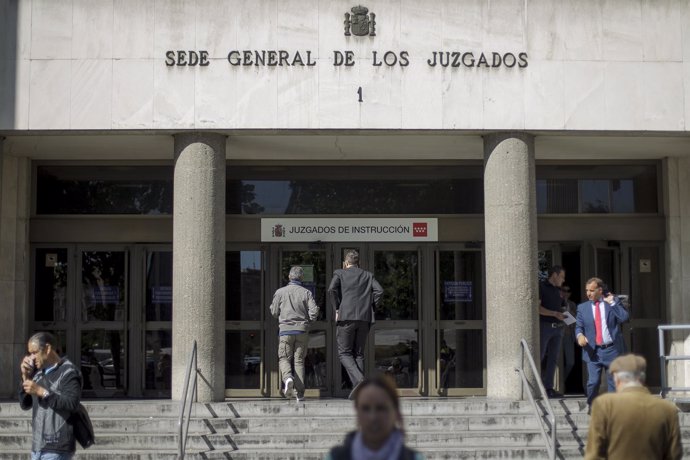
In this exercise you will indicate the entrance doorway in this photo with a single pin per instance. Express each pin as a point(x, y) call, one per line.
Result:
point(429, 328)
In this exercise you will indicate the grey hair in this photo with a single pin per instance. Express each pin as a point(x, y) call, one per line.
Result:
point(352, 257)
point(630, 377)
point(296, 273)
point(42, 339)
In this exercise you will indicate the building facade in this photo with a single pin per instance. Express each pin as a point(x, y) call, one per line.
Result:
point(164, 163)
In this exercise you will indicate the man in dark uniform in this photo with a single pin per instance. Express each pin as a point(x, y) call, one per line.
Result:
point(551, 306)
point(354, 294)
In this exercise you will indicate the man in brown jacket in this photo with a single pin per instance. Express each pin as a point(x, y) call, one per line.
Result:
point(631, 423)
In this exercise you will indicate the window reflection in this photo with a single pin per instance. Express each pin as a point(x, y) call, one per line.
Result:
point(315, 362)
point(243, 284)
point(397, 354)
point(159, 286)
point(50, 284)
point(103, 285)
point(158, 359)
point(103, 365)
point(460, 287)
point(461, 358)
point(242, 359)
point(397, 272)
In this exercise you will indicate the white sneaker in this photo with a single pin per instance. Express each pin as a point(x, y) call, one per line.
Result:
point(298, 398)
point(289, 385)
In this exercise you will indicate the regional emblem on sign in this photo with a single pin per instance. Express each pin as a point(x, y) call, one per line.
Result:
point(359, 22)
point(278, 231)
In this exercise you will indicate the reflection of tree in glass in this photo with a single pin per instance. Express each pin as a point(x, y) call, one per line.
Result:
point(318, 260)
point(396, 271)
point(241, 198)
point(102, 277)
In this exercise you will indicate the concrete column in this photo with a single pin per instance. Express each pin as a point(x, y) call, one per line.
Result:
point(15, 183)
point(199, 262)
point(676, 179)
point(510, 226)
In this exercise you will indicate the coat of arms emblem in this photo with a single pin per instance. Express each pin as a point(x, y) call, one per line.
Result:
point(359, 22)
point(278, 231)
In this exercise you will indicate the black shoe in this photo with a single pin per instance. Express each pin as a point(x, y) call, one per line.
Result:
point(553, 394)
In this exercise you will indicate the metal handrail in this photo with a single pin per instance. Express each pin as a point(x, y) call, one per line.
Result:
point(664, 358)
point(182, 422)
point(550, 442)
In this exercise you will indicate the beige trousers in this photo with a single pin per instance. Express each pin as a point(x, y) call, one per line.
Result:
point(293, 347)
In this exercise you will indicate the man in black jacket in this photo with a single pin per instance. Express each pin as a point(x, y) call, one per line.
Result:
point(354, 294)
point(51, 386)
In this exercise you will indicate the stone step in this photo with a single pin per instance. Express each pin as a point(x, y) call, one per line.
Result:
point(303, 424)
point(243, 441)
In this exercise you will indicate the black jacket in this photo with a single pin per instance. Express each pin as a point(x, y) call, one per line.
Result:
point(344, 452)
point(354, 292)
point(51, 432)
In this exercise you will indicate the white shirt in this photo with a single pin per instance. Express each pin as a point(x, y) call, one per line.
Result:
point(605, 335)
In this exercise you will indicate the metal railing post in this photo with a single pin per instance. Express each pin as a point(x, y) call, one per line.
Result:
point(182, 424)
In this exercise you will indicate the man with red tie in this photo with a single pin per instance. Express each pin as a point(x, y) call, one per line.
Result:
point(598, 331)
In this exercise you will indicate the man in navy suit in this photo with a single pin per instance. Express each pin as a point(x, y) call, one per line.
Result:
point(598, 331)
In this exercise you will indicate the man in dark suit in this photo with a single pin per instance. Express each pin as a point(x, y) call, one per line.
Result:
point(599, 333)
point(354, 294)
point(632, 423)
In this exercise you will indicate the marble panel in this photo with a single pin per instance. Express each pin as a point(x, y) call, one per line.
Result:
point(382, 95)
point(92, 36)
point(15, 30)
point(582, 30)
point(216, 96)
point(49, 105)
point(584, 95)
point(133, 29)
point(14, 94)
point(298, 25)
point(685, 29)
point(51, 29)
point(623, 92)
point(257, 96)
point(662, 30)
point(504, 25)
point(257, 24)
point(462, 25)
point(173, 97)
point(504, 101)
point(133, 94)
point(421, 28)
point(91, 94)
point(298, 98)
point(544, 38)
point(463, 98)
point(686, 85)
point(338, 98)
point(659, 105)
point(544, 95)
point(174, 28)
point(422, 91)
point(621, 25)
point(216, 28)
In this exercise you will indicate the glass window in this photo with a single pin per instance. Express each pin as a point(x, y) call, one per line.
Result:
point(397, 272)
point(397, 354)
point(103, 365)
point(355, 190)
point(597, 188)
point(460, 285)
point(50, 284)
point(243, 284)
point(159, 286)
point(103, 285)
point(315, 363)
point(158, 359)
point(461, 358)
point(104, 190)
point(242, 359)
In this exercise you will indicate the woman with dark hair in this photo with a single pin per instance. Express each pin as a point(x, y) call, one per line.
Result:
point(380, 435)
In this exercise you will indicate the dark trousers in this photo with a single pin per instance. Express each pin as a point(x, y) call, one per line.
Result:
point(352, 339)
point(601, 359)
point(550, 340)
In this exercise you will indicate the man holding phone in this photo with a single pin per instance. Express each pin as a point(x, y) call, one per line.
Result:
point(599, 333)
point(51, 387)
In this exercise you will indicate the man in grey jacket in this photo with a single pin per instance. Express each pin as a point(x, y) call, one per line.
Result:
point(354, 294)
point(295, 308)
point(51, 386)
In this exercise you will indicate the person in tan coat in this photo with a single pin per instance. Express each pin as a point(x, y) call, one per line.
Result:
point(631, 423)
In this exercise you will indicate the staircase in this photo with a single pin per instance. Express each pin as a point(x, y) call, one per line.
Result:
point(469, 428)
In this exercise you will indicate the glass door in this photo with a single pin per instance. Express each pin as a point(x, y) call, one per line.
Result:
point(316, 262)
point(394, 345)
point(245, 322)
point(460, 333)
